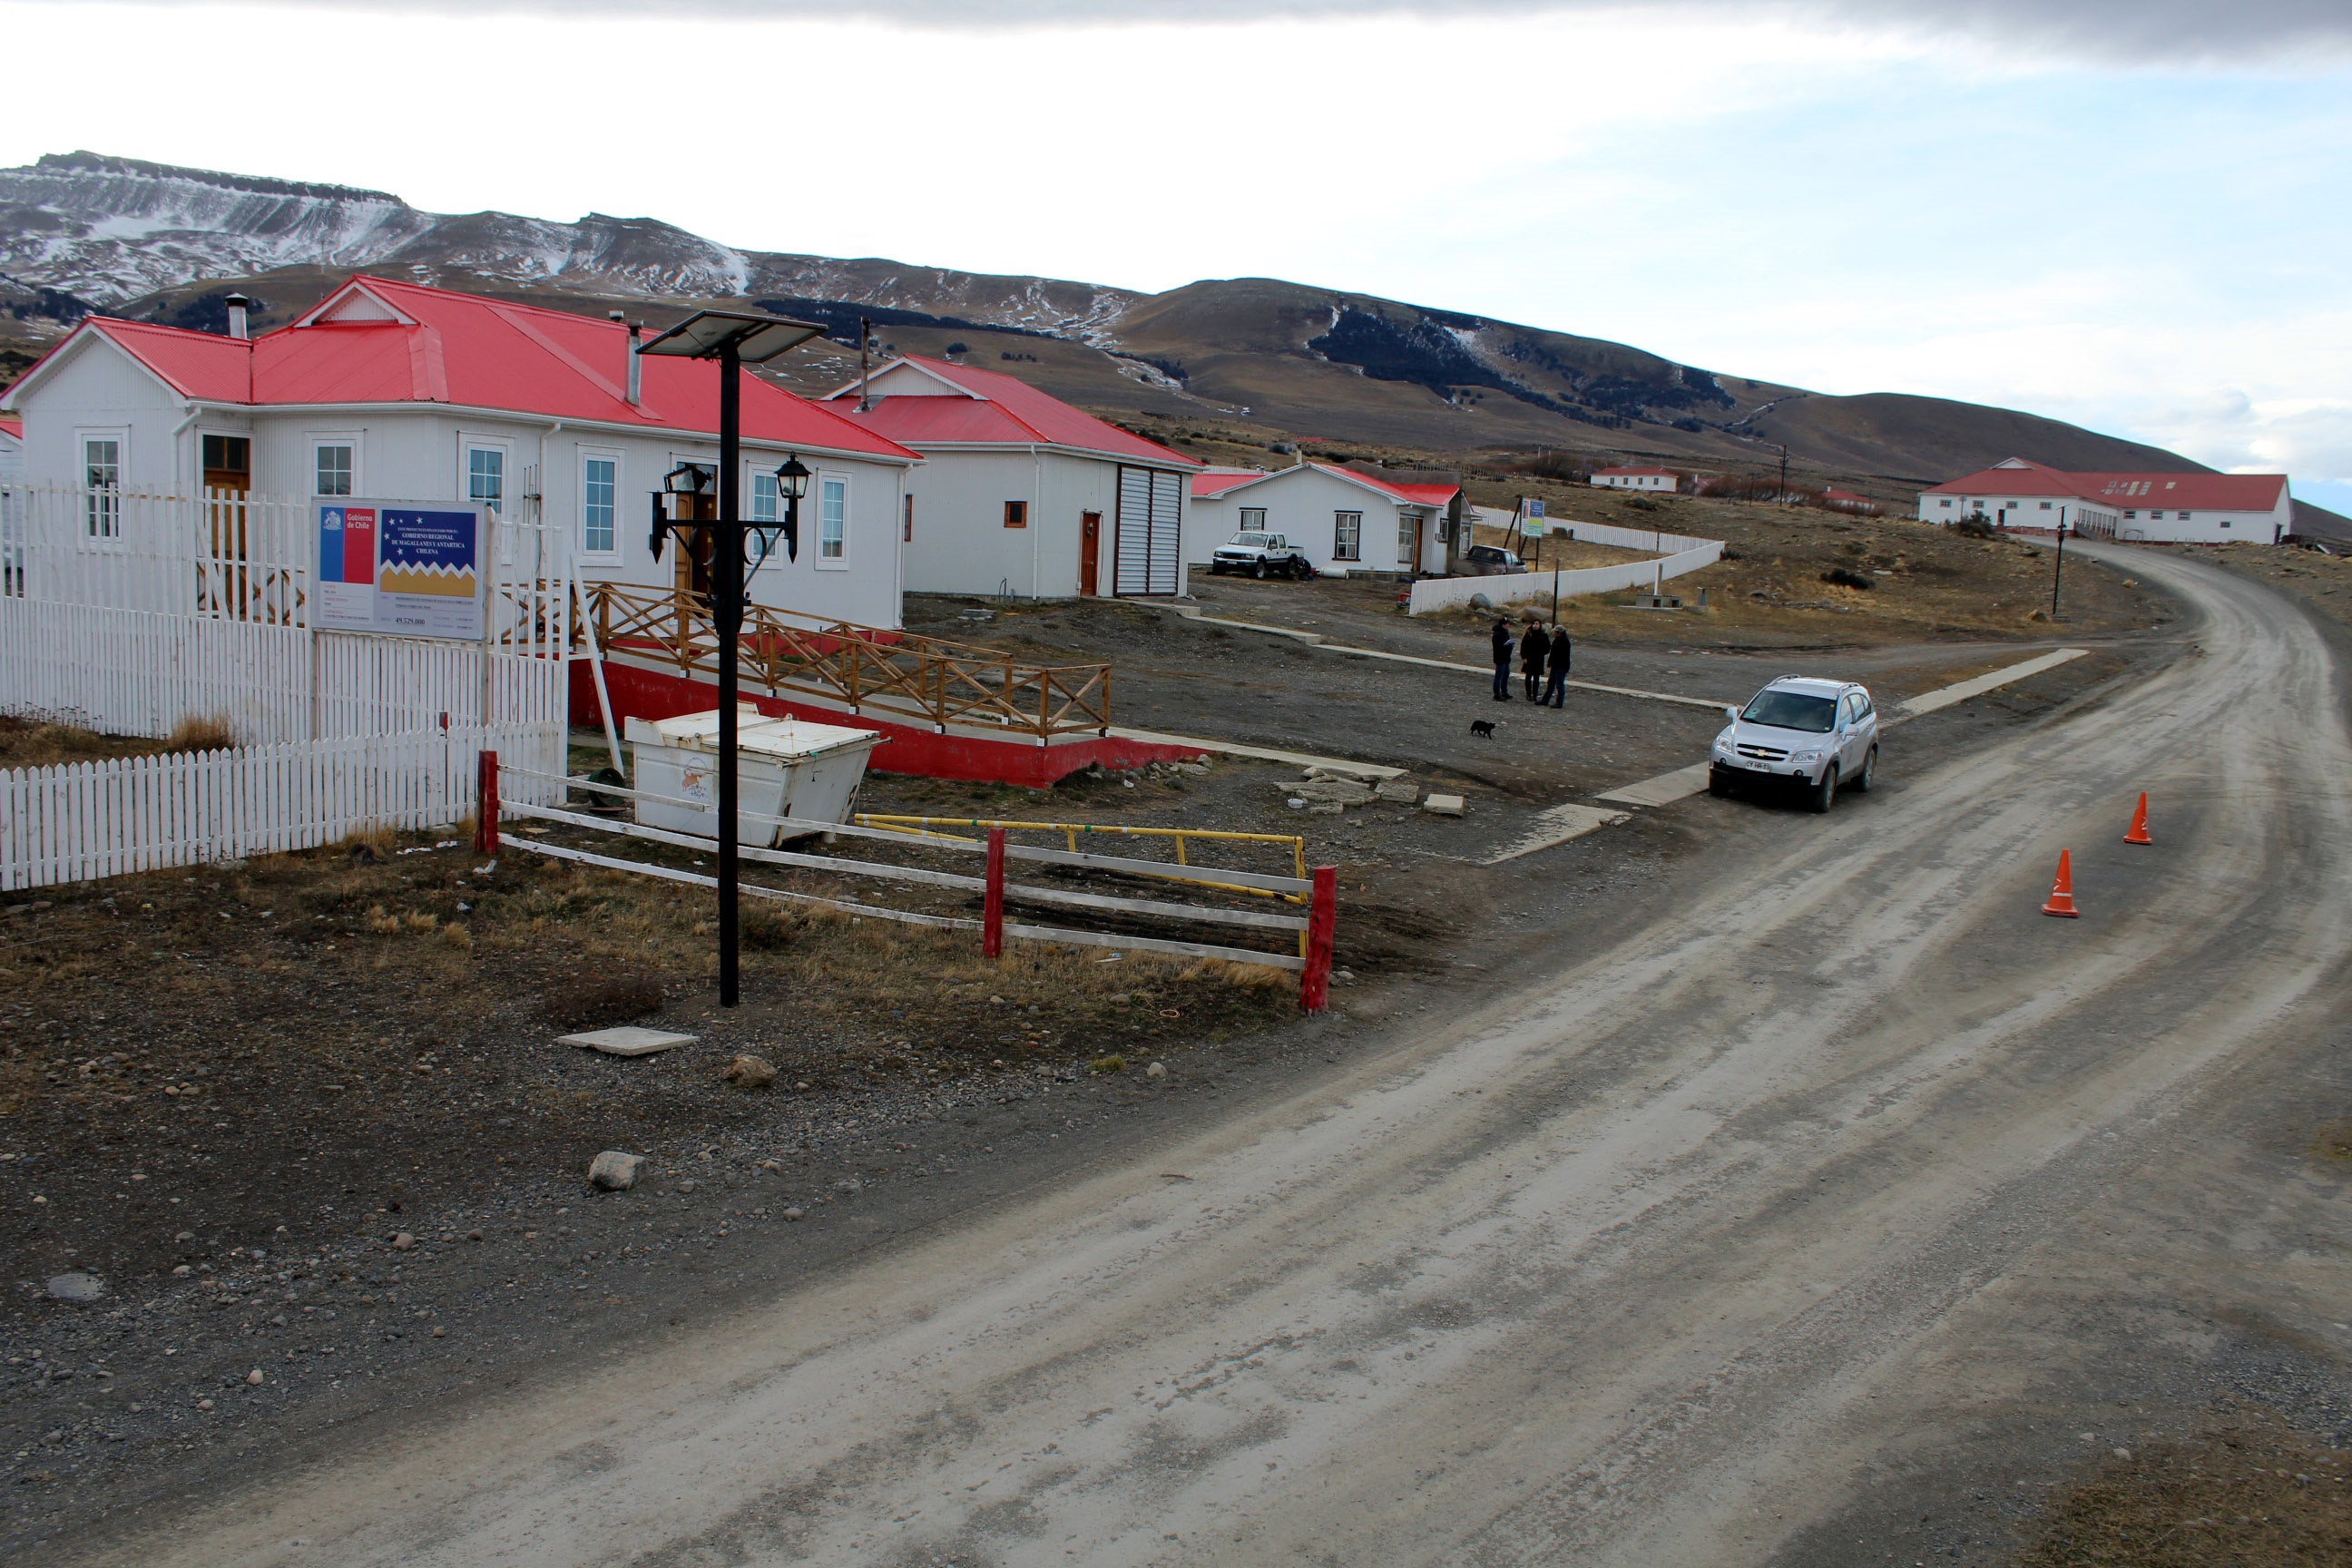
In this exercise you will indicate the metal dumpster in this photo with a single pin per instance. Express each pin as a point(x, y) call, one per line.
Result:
point(785, 767)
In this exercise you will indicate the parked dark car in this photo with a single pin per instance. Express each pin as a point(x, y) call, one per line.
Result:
point(1490, 560)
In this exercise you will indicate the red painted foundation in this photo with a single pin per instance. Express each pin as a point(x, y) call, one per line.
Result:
point(905, 749)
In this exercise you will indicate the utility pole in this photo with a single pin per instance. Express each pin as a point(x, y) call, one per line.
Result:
point(1784, 473)
point(2060, 570)
point(864, 397)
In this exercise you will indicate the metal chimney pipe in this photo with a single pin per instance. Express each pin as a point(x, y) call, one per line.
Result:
point(636, 367)
point(238, 305)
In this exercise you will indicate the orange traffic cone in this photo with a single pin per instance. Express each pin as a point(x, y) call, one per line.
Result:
point(2138, 833)
point(2062, 892)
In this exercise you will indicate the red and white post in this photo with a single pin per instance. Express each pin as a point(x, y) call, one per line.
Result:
point(486, 799)
point(991, 916)
point(1322, 916)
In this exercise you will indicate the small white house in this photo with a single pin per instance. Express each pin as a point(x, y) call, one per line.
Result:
point(393, 391)
point(2159, 508)
point(1021, 493)
point(1347, 522)
point(1655, 479)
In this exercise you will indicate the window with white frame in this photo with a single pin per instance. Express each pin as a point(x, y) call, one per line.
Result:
point(832, 520)
point(600, 503)
point(334, 465)
point(767, 507)
point(1946, 501)
point(486, 476)
point(1408, 527)
point(1253, 520)
point(101, 469)
point(1348, 536)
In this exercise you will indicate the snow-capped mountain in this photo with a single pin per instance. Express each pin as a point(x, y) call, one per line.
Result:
point(108, 230)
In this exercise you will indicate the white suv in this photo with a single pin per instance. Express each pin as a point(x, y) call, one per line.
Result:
point(1821, 734)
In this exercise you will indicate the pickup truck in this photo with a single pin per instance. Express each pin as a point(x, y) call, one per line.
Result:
point(1260, 556)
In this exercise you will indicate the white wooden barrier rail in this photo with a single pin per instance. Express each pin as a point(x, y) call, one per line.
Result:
point(1250, 881)
point(908, 916)
point(1029, 891)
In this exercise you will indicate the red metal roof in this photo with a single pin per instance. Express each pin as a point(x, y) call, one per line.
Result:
point(12, 425)
point(1213, 484)
point(2192, 492)
point(467, 351)
point(1217, 481)
point(1023, 416)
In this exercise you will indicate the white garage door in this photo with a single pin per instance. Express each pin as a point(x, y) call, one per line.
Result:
point(1148, 558)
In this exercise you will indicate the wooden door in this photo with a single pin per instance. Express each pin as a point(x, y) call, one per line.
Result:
point(227, 462)
point(1089, 552)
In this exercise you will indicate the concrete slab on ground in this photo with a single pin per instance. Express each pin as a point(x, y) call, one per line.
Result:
point(1555, 826)
point(628, 1040)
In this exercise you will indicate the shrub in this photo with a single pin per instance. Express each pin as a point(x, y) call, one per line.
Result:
point(1846, 579)
point(600, 1002)
point(1111, 1063)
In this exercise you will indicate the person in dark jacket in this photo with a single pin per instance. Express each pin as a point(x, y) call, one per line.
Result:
point(1558, 662)
point(1534, 648)
point(1502, 660)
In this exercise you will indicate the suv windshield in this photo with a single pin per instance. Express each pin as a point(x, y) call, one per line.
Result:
point(1254, 541)
point(1792, 711)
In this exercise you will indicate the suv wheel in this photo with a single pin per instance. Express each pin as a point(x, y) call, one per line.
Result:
point(1257, 568)
point(1823, 795)
point(1718, 784)
point(1861, 785)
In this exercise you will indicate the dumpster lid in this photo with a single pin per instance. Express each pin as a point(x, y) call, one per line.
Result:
point(756, 733)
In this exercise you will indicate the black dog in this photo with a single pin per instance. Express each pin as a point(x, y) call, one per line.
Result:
point(1483, 728)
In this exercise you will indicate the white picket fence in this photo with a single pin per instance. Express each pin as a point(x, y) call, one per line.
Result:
point(82, 821)
point(1677, 554)
point(127, 612)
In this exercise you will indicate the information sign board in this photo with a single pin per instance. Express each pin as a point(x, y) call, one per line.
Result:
point(410, 569)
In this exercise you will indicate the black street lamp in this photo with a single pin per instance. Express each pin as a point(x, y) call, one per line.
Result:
point(734, 341)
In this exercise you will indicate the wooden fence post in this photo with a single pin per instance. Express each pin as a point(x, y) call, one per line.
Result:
point(1315, 980)
point(992, 918)
point(485, 803)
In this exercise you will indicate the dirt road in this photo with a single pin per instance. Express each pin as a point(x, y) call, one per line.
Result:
point(1650, 1264)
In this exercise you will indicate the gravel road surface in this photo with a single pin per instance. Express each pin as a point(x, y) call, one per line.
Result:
point(1675, 1256)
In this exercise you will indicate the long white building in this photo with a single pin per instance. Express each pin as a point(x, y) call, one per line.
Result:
point(2158, 508)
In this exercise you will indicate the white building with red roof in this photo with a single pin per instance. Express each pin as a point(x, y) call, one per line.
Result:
point(391, 390)
point(1019, 491)
point(1664, 481)
point(1347, 521)
point(2158, 508)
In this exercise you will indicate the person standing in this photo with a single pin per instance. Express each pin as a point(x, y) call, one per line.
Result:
point(1563, 654)
point(1534, 648)
point(1502, 660)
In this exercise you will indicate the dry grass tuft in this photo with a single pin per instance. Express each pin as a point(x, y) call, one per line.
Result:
point(601, 1002)
point(2334, 1141)
point(1111, 1063)
point(2257, 1494)
point(455, 935)
point(203, 733)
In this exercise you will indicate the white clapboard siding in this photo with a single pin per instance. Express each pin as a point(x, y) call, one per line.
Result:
point(82, 821)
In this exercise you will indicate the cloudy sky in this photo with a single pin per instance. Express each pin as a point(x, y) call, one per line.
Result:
point(2134, 214)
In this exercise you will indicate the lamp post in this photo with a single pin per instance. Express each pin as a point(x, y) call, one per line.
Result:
point(734, 341)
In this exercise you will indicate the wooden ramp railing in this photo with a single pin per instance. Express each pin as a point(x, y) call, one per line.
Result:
point(899, 676)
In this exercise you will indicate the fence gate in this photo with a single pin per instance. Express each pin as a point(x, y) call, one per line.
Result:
point(1148, 555)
